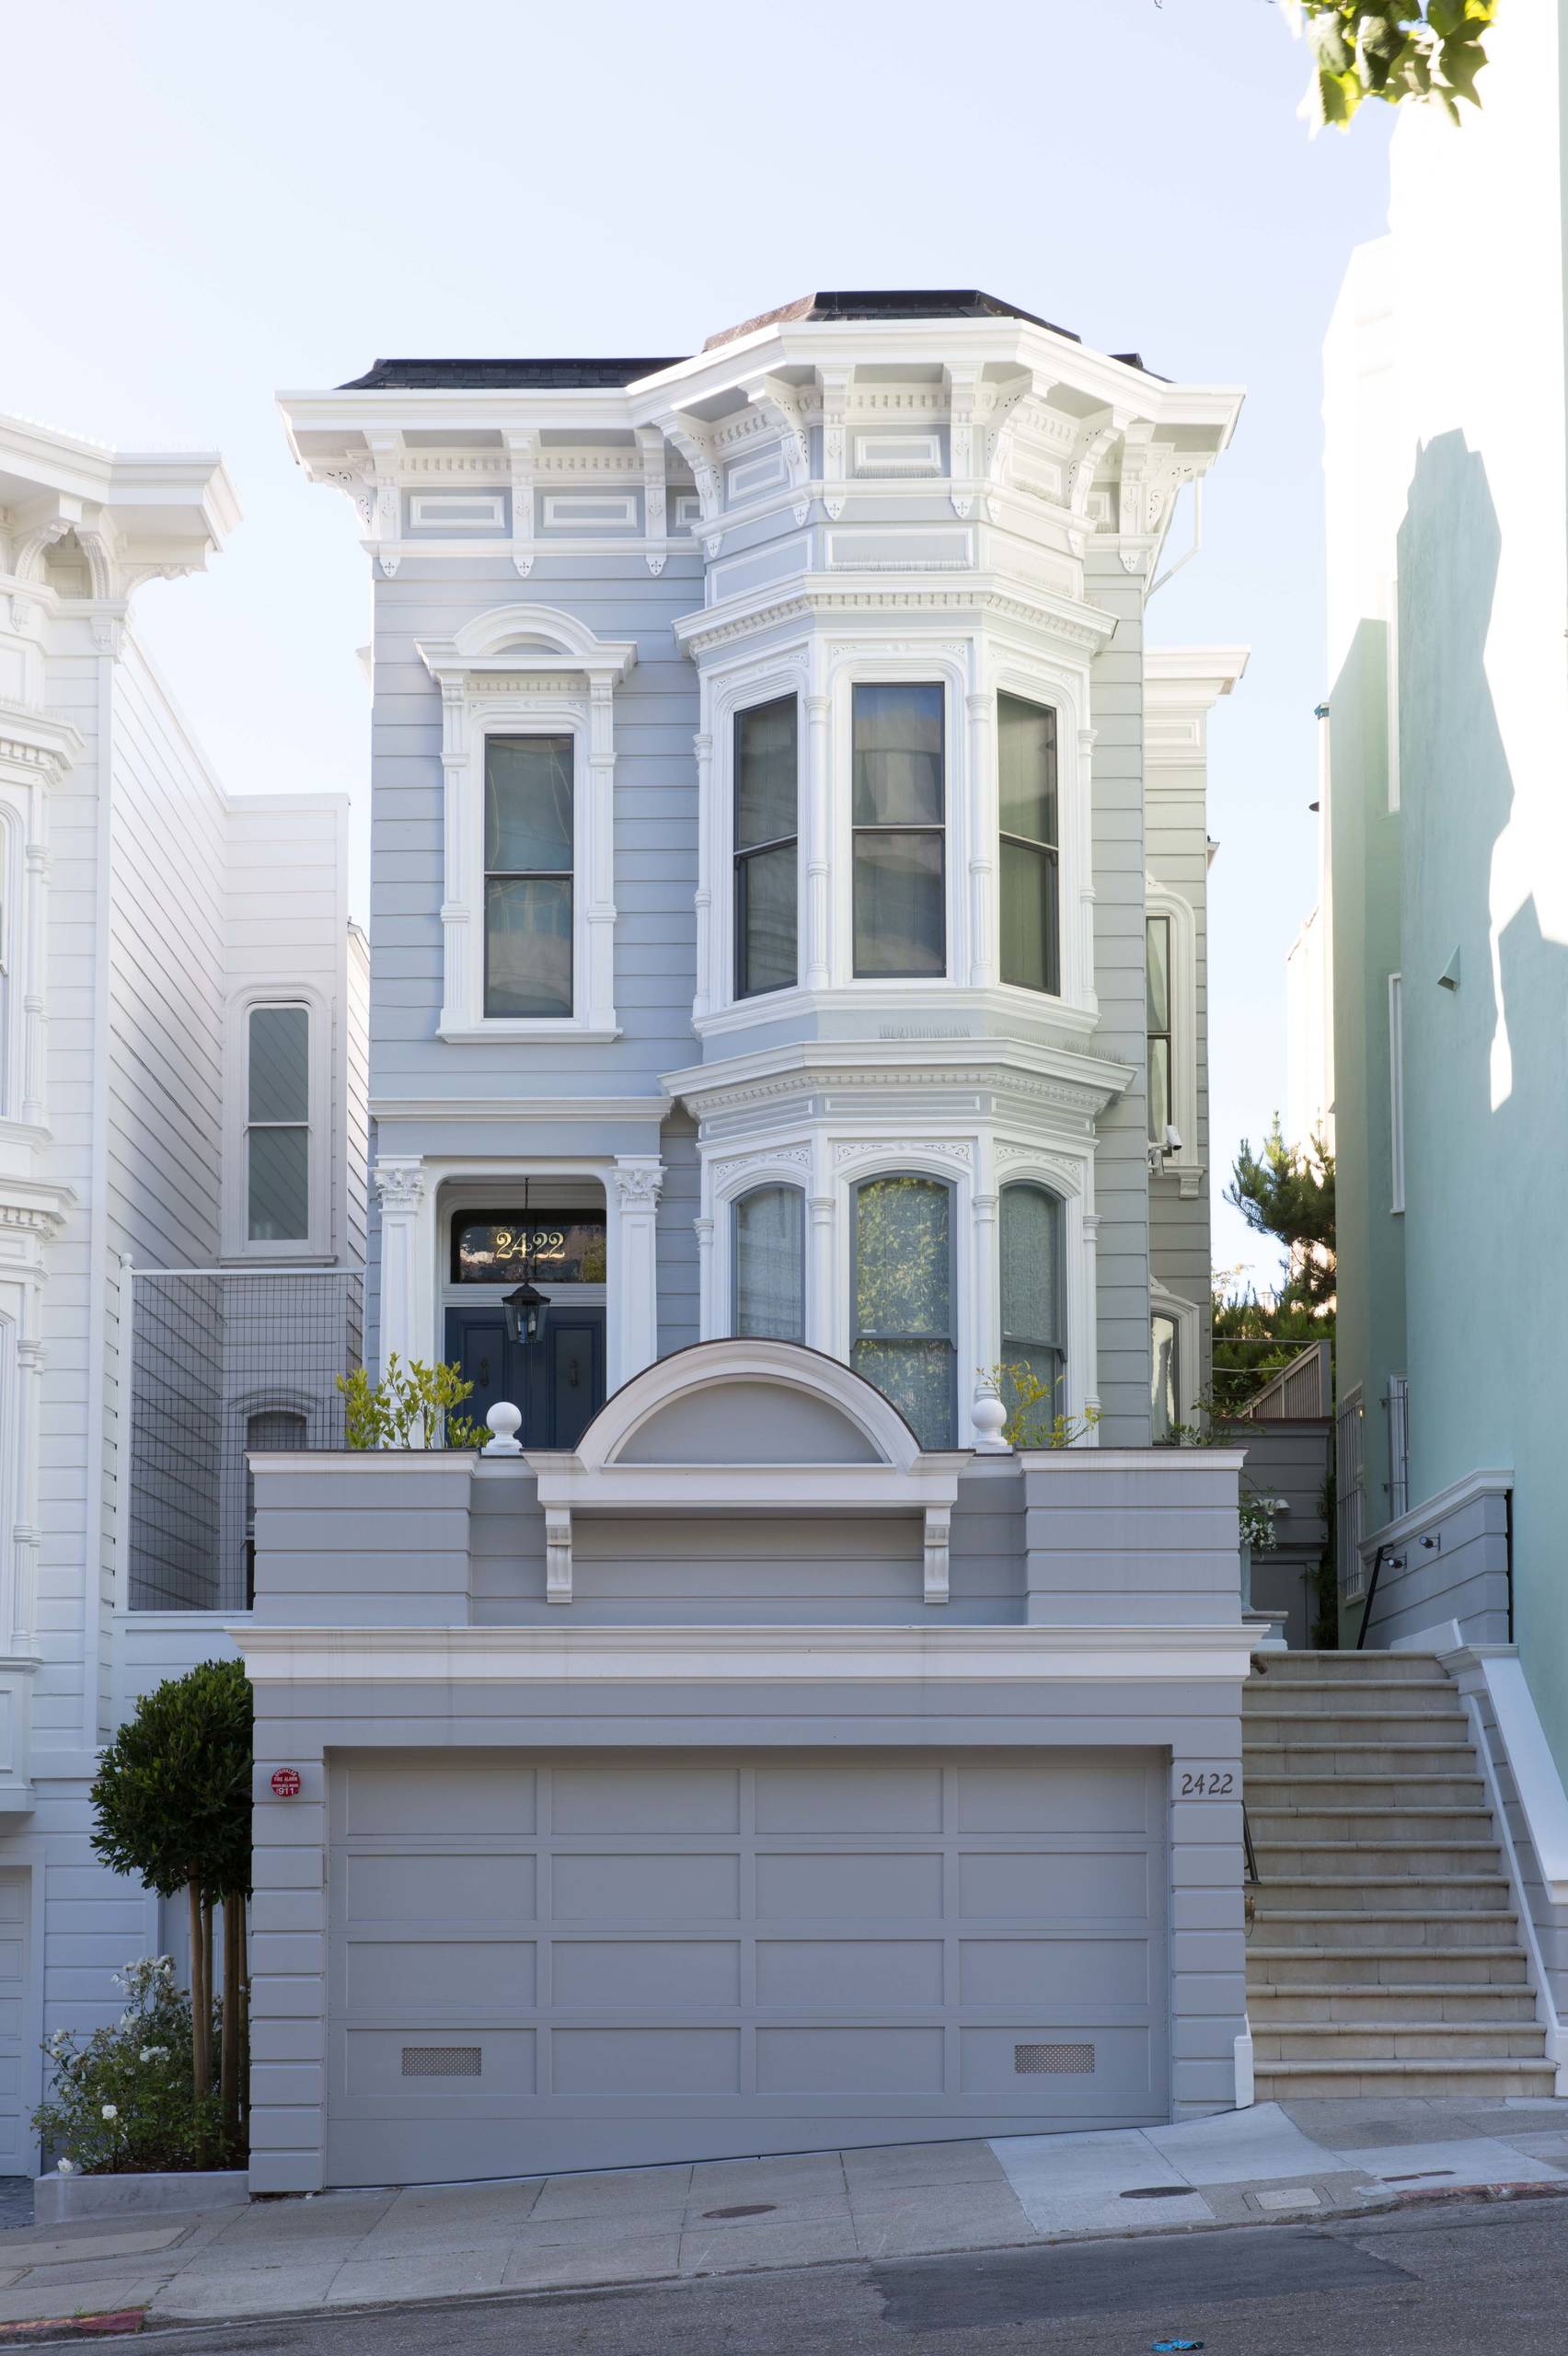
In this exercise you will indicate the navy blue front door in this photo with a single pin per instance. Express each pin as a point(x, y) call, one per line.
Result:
point(556, 1381)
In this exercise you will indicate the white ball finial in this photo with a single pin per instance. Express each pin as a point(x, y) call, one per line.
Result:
point(990, 1420)
point(504, 1419)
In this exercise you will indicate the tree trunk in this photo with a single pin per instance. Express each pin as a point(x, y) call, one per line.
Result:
point(229, 2070)
point(209, 1982)
point(200, 2014)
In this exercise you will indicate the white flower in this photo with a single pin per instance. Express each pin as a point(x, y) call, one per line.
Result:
point(112, 2110)
point(65, 2168)
point(155, 2053)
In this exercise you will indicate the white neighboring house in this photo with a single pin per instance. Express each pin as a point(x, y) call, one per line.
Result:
point(182, 1034)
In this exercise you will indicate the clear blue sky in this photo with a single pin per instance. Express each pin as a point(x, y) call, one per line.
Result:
point(211, 202)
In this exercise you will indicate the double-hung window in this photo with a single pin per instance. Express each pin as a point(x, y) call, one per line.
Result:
point(529, 836)
point(898, 816)
point(1033, 1324)
point(768, 1238)
point(904, 1299)
point(766, 840)
point(1156, 991)
point(1027, 818)
point(277, 1126)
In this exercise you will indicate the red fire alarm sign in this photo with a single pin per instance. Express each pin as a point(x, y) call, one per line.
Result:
point(286, 1783)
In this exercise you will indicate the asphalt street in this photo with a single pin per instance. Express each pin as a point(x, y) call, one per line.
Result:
point(1443, 2281)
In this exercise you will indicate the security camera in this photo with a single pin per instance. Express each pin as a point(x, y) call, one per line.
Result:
point(1173, 1138)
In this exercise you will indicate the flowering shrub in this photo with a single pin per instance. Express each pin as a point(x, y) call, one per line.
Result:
point(122, 2101)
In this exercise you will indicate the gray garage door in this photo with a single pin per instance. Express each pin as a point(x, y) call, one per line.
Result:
point(605, 1959)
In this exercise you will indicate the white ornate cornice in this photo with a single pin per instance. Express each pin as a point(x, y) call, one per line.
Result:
point(36, 744)
point(1078, 1085)
point(819, 597)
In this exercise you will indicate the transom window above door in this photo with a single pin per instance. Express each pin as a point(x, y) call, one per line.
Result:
point(527, 1246)
point(530, 829)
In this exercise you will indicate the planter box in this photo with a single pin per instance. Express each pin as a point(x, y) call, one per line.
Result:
point(59, 2199)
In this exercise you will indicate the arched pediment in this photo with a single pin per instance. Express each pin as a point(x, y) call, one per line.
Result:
point(528, 637)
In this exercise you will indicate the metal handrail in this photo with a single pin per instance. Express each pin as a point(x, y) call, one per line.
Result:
point(1366, 1607)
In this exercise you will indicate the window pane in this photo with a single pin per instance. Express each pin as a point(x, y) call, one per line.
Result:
point(1031, 1255)
point(1026, 769)
point(898, 756)
point(527, 804)
point(903, 1278)
point(1030, 957)
point(899, 920)
point(528, 945)
point(766, 904)
point(528, 1246)
point(1036, 1420)
point(1159, 1089)
point(1163, 1391)
point(1157, 966)
point(770, 1245)
point(278, 1192)
point(917, 1377)
point(280, 1063)
point(765, 774)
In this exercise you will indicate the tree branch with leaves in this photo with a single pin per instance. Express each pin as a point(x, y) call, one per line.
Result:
point(1428, 51)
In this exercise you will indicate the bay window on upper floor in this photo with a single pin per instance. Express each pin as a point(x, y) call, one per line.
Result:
point(1028, 826)
point(529, 843)
point(767, 823)
point(899, 818)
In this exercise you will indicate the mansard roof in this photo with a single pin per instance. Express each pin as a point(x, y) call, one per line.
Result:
point(576, 373)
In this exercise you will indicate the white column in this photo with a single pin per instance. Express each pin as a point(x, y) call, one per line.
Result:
point(706, 1308)
point(400, 1185)
point(986, 1325)
point(820, 1287)
point(600, 1007)
point(985, 964)
point(633, 1340)
point(708, 989)
point(819, 840)
point(458, 1007)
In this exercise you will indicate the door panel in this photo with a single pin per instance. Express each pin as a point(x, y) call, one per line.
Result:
point(683, 1956)
point(556, 1381)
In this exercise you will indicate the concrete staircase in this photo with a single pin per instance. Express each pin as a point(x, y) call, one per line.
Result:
point(1385, 1956)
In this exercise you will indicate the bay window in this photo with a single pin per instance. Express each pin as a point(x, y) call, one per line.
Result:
point(898, 814)
point(529, 841)
point(903, 1298)
point(1027, 822)
point(769, 1234)
point(767, 847)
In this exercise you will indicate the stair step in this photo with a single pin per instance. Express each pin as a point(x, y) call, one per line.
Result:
point(1448, 1862)
point(1326, 1928)
point(1373, 1730)
point(1449, 1895)
point(1334, 1965)
point(1411, 1797)
point(1352, 2002)
point(1379, 1697)
point(1310, 1826)
point(1307, 2081)
point(1399, 2041)
point(1283, 1669)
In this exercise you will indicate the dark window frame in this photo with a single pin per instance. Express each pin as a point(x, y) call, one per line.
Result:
point(281, 1005)
point(1168, 1036)
point(1056, 1348)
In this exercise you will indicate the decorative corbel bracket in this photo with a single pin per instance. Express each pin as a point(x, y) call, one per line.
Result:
point(939, 1531)
point(558, 1555)
point(522, 451)
point(655, 496)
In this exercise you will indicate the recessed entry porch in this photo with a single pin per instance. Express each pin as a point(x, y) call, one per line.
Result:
point(524, 1264)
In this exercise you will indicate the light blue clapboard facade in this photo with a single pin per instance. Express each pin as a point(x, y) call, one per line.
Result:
point(788, 972)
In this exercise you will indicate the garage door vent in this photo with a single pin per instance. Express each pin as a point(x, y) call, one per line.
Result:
point(1043, 2060)
point(441, 2060)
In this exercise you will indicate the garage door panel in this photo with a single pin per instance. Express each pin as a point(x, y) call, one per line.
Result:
point(645, 1975)
point(849, 1975)
point(633, 1889)
point(1054, 1886)
point(646, 2060)
point(1074, 1793)
point(427, 2064)
point(425, 1886)
point(687, 1799)
point(849, 2061)
point(891, 1885)
point(736, 1953)
point(408, 1973)
point(404, 1797)
point(1056, 1972)
point(793, 1797)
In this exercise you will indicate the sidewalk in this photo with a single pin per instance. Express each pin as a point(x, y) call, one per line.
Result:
point(1313, 2159)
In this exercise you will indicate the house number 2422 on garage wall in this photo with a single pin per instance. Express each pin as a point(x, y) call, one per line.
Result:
point(1205, 1783)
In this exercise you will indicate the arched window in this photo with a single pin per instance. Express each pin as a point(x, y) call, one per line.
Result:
point(904, 1300)
point(1033, 1319)
point(769, 1263)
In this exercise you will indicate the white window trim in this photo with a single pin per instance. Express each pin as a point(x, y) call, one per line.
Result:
point(238, 1244)
point(821, 672)
point(520, 671)
point(1396, 1094)
point(1159, 900)
point(1189, 1341)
